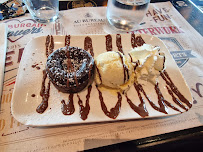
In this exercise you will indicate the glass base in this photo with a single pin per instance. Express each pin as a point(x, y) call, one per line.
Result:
point(122, 25)
point(45, 20)
point(109, 28)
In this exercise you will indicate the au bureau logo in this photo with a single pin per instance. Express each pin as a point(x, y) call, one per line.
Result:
point(88, 20)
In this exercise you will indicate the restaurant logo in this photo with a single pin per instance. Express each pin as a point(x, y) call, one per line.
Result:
point(89, 20)
point(87, 15)
point(18, 29)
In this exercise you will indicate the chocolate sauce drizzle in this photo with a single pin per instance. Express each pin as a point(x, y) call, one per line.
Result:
point(84, 111)
point(67, 40)
point(108, 42)
point(89, 74)
point(125, 69)
point(139, 41)
point(177, 101)
point(47, 45)
point(51, 46)
point(161, 101)
point(163, 108)
point(137, 63)
point(68, 109)
point(136, 41)
point(114, 112)
point(118, 43)
point(43, 83)
point(100, 78)
point(133, 42)
point(88, 45)
point(141, 108)
point(174, 89)
point(70, 68)
point(45, 91)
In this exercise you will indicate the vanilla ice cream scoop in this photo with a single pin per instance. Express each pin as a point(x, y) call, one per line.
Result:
point(148, 62)
point(114, 70)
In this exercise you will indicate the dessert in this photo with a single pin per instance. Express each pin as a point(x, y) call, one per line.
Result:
point(148, 62)
point(114, 70)
point(70, 69)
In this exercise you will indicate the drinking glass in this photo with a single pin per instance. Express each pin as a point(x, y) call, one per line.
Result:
point(43, 11)
point(126, 14)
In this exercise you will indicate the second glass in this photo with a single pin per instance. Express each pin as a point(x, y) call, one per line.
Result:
point(126, 14)
point(43, 11)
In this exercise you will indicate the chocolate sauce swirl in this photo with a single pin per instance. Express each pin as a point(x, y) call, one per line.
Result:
point(114, 112)
point(45, 97)
point(51, 46)
point(47, 45)
point(133, 42)
point(136, 41)
point(139, 41)
point(137, 63)
point(177, 101)
point(99, 74)
point(84, 110)
point(45, 91)
point(108, 42)
point(71, 69)
point(88, 45)
point(67, 40)
point(175, 90)
point(161, 101)
point(118, 43)
point(141, 108)
point(68, 109)
point(43, 83)
point(125, 69)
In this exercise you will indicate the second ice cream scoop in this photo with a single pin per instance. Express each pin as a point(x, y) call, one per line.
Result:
point(149, 62)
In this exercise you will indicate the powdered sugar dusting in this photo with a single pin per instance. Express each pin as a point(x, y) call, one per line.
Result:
point(70, 64)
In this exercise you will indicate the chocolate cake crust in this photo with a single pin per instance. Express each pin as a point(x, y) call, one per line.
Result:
point(70, 69)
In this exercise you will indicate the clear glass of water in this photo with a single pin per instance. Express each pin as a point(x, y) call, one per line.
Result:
point(126, 14)
point(43, 11)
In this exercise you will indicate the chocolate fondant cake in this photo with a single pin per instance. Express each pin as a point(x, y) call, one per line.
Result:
point(70, 69)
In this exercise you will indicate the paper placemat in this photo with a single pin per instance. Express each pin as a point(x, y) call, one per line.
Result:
point(161, 20)
point(3, 45)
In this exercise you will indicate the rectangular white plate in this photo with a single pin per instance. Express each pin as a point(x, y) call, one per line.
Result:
point(29, 81)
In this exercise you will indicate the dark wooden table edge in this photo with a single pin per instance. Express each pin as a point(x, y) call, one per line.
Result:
point(184, 140)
